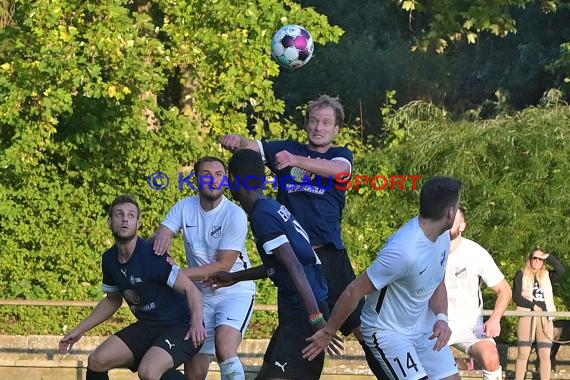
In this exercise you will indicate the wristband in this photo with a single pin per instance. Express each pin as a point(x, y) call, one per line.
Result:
point(441, 317)
point(315, 319)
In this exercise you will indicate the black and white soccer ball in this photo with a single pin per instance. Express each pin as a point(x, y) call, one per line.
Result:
point(292, 46)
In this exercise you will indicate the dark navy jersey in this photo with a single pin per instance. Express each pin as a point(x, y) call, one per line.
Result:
point(146, 281)
point(273, 225)
point(314, 200)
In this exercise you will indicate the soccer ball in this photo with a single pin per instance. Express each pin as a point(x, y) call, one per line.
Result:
point(292, 46)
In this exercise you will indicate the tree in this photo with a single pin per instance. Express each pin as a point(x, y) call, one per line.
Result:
point(98, 95)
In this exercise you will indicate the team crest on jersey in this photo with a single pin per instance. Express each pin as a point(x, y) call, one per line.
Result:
point(216, 232)
point(301, 175)
point(460, 272)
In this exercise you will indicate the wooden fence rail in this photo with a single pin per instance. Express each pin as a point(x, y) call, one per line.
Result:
point(19, 302)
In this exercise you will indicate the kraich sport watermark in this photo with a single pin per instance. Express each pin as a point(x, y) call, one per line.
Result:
point(311, 183)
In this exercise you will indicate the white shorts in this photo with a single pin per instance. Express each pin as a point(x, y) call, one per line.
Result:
point(229, 309)
point(410, 357)
point(463, 338)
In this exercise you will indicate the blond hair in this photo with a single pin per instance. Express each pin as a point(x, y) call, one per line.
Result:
point(327, 101)
point(530, 274)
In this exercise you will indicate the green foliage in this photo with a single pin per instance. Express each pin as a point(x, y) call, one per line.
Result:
point(374, 56)
point(96, 96)
point(449, 21)
point(514, 170)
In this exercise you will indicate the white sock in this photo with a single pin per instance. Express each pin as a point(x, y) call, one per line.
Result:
point(232, 369)
point(493, 375)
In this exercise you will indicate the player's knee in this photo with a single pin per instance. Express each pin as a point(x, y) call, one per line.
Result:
point(196, 372)
point(147, 371)
point(490, 360)
point(225, 350)
point(97, 363)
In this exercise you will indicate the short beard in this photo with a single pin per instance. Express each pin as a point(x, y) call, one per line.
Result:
point(212, 197)
point(124, 239)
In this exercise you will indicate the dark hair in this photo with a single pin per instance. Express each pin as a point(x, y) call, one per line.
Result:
point(247, 167)
point(122, 199)
point(437, 195)
point(205, 159)
point(327, 101)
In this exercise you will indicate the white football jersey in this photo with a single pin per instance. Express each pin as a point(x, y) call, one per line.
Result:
point(466, 267)
point(206, 232)
point(406, 272)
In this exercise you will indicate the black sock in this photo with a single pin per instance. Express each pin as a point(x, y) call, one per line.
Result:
point(92, 375)
point(173, 374)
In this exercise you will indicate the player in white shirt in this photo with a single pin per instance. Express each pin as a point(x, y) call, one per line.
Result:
point(404, 320)
point(215, 231)
point(468, 264)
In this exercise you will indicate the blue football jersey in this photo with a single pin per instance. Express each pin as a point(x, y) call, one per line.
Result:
point(273, 225)
point(145, 282)
point(315, 201)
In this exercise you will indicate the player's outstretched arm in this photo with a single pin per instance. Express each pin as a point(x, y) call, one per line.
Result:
point(197, 331)
point(504, 292)
point(103, 311)
point(223, 279)
point(235, 142)
point(344, 306)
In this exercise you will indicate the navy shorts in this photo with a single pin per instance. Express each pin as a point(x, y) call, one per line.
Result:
point(338, 272)
point(140, 338)
point(284, 358)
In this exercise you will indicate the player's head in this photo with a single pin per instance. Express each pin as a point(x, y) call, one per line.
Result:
point(246, 172)
point(439, 199)
point(325, 116)
point(210, 172)
point(459, 224)
point(124, 217)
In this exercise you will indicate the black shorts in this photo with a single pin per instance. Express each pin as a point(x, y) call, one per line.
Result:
point(139, 338)
point(338, 272)
point(283, 358)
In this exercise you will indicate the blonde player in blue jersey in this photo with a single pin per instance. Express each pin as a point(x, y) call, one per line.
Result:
point(404, 320)
point(307, 175)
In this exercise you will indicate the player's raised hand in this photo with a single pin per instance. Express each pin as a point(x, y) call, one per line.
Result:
point(231, 142)
point(442, 333)
point(218, 280)
point(162, 243)
point(68, 340)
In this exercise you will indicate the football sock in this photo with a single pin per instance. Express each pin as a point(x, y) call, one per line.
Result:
point(232, 369)
point(173, 374)
point(493, 375)
point(92, 375)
